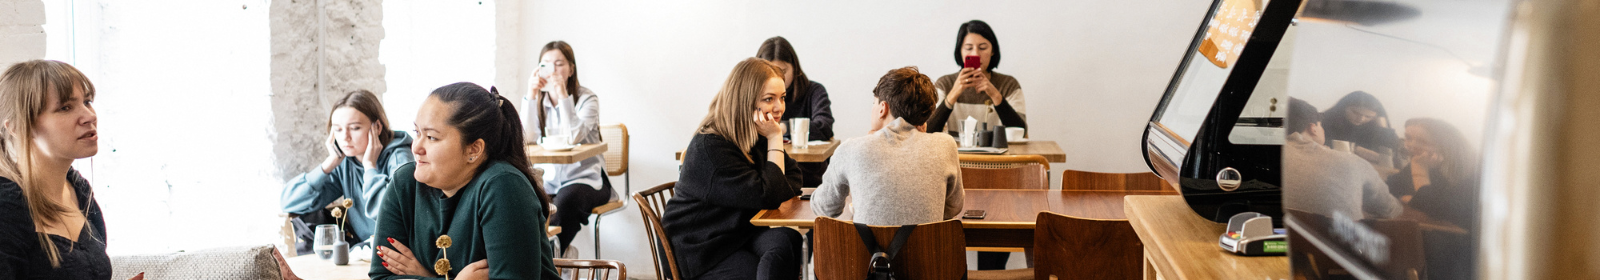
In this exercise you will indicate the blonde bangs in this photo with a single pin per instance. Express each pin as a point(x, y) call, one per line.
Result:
point(731, 110)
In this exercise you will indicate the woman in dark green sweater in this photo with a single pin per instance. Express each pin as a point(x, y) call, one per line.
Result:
point(470, 183)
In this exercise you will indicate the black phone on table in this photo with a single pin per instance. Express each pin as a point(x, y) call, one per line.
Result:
point(974, 214)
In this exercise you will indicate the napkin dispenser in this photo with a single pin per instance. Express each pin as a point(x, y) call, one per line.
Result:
point(1251, 234)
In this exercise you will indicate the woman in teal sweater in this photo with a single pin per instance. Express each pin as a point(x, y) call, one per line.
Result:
point(466, 209)
point(362, 154)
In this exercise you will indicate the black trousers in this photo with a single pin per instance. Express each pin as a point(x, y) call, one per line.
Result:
point(574, 204)
point(773, 254)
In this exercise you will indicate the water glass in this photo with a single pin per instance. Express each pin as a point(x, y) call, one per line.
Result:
point(799, 132)
point(324, 240)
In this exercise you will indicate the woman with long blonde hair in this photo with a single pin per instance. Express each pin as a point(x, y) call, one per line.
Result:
point(735, 166)
point(50, 225)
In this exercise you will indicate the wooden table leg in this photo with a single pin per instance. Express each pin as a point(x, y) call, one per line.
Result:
point(1149, 270)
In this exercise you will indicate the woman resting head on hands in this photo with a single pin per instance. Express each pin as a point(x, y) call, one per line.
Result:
point(467, 208)
point(734, 167)
point(362, 154)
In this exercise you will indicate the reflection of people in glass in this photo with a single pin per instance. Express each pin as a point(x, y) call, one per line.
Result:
point(1441, 180)
point(1324, 181)
point(1360, 119)
point(1441, 183)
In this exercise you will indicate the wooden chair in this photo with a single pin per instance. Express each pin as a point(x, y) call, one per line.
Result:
point(652, 202)
point(934, 251)
point(597, 269)
point(1085, 180)
point(1077, 248)
point(1004, 172)
point(616, 156)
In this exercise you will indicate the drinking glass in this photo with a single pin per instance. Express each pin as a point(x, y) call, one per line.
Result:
point(324, 239)
point(799, 132)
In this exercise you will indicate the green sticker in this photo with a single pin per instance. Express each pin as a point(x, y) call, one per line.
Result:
point(1275, 247)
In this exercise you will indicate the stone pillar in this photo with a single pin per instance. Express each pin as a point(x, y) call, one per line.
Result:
point(321, 49)
point(21, 31)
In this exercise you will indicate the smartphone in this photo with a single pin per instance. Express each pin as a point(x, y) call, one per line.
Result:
point(805, 193)
point(974, 214)
point(972, 62)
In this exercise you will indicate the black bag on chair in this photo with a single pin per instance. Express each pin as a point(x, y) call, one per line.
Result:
point(878, 264)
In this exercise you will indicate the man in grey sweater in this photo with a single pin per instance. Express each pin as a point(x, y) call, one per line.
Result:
point(1323, 181)
point(899, 174)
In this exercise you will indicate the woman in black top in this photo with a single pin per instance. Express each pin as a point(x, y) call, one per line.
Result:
point(50, 225)
point(1361, 120)
point(1441, 182)
point(1442, 173)
point(734, 167)
point(805, 99)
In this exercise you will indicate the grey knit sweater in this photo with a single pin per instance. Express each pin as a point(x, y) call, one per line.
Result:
point(898, 175)
point(1320, 180)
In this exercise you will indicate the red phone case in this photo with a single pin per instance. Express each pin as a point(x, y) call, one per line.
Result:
point(971, 62)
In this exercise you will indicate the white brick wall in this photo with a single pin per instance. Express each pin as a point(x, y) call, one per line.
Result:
point(21, 31)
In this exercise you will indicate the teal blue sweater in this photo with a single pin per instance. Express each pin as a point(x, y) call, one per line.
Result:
point(314, 190)
point(496, 216)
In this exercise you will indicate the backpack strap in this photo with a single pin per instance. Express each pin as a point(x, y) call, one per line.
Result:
point(867, 239)
point(900, 238)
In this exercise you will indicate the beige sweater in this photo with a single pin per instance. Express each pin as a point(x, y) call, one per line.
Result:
point(898, 176)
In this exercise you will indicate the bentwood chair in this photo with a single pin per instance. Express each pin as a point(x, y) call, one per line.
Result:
point(652, 202)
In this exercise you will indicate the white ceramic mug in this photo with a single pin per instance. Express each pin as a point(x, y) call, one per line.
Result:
point(1015, 134)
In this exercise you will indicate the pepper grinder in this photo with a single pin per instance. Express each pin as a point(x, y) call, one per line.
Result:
point(999, 137)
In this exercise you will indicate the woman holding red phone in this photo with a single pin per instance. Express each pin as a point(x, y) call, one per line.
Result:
point(977, 91)
point(980, 93)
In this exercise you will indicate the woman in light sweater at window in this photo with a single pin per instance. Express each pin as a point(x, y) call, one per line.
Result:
point(560, 107)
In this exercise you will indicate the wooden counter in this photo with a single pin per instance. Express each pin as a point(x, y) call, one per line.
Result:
point(1180, 245)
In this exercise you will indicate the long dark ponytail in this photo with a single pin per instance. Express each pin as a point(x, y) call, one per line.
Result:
point(485, 114)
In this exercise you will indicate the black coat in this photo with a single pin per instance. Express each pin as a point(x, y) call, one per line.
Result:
point(718, 191)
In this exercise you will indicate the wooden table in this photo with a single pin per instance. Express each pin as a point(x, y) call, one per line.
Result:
point(1046, 148)
point(537, 154)
point(1011, 213)
point(1178, 244)
point(812, 153)
point(310, 267)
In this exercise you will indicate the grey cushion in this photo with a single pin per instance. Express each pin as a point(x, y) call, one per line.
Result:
point(246, 262)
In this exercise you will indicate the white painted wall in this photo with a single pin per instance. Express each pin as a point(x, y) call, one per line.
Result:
point(185, 161)
point(430, 44)
point(1092, 70)
point(21, 35)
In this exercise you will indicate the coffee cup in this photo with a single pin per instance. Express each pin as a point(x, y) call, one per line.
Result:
point(554, 141)
point(1343, 146)
point(1016, 133)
